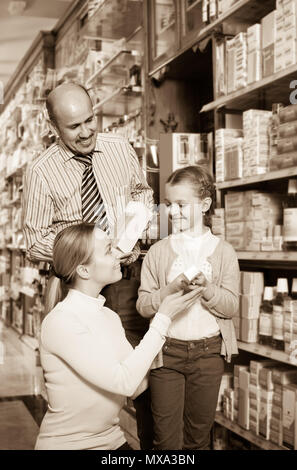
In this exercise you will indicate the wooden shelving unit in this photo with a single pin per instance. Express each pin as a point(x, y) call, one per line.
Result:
point(270, 176)
point(248, 435)
point(116, 67)
point(275, 88)
point(268, 352)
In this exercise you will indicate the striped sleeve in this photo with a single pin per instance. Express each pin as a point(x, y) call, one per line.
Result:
point(38, 213)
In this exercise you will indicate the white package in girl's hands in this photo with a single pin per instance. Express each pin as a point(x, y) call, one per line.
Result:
point(132, 224)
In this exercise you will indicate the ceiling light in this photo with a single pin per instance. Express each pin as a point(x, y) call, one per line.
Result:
point(16, 7)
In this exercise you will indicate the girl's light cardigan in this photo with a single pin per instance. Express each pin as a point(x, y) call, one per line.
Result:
point(223, 305)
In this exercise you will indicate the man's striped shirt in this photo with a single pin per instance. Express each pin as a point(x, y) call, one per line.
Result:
point(52, 190)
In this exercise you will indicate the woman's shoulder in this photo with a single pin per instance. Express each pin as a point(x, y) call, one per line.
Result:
point(61, 316)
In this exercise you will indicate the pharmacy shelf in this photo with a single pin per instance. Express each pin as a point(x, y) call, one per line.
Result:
point(114, 19)
point(14, 202)
point(122, 101)
point(116, 68)
point(270, 176)
point(16, 329)
point(272, 89)
point(16, 248)
point(248, 435)
point(193, 5)
point(266, 351)
point(166, 28)
point(287, 256)
point(17, 171)
point(245, 11)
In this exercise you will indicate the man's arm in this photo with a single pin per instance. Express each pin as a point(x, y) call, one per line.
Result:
point(38, 212)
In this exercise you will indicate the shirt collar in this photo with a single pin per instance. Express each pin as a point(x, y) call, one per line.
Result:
point(89, 303)
point(185, 236)
point(67, 154)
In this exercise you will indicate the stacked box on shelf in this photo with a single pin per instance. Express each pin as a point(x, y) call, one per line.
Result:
point(248, 216)
point(238, 368)
point(244, 399)
point(252, 286)
point(290, 324)
point(224, 140)
point(240, 60)
point(290, 32)
point(228, 403)
point(226, 383)
point(280, 376)
point(230, 60)
point(279, 37)
point(236, 59)
point(290, 416)
point(255, 142)
point(255, 392)
point(268, 29)
point(254, 57)
point(286, 139)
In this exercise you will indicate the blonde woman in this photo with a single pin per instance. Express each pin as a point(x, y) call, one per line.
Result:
point(89, 366)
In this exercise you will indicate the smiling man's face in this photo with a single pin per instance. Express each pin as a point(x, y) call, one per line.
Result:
point(75, 121)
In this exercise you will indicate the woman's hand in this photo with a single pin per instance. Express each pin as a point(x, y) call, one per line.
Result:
point(123, 257)
point(178, 284)
point(178, 302)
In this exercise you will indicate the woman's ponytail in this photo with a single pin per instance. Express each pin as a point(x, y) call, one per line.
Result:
point(73, 246)
point(55, 292)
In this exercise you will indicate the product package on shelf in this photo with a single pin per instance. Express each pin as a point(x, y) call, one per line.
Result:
point(224, 140)
point(290, 416)
point(255, 142)
point(236, 58)
point(254, 57)
point(268, 24)
point(255, 213)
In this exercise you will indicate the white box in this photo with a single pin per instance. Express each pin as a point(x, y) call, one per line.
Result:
point(132, 224)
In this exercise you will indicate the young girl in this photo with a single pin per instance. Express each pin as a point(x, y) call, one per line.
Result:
point(187, 377)
point(89, 366)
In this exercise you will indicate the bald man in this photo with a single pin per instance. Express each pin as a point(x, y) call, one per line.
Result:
point(52, 201)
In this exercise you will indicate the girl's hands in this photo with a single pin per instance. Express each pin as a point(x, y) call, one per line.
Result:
point(178, 302)
point(207, 287)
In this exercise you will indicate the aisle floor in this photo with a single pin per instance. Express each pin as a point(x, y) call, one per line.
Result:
point(21, 411)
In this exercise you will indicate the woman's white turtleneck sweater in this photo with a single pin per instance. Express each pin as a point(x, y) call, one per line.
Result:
point(89, 369)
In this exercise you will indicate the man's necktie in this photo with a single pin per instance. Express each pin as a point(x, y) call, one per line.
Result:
point(93, 210)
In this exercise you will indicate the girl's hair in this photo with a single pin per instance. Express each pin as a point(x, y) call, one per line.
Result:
point(200, 180)
point(73, 246)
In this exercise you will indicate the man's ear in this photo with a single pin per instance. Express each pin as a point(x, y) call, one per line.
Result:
point(83, 272)
point(53, 128)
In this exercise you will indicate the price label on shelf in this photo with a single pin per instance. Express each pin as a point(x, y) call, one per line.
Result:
point(268, 352)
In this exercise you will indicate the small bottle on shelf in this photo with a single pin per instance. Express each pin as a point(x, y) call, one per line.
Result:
point(265, 318)
point(294, 289)
point(205, 11)
point(290, 217)
point(278, 314)
point(212, 9)
point(273, 129)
